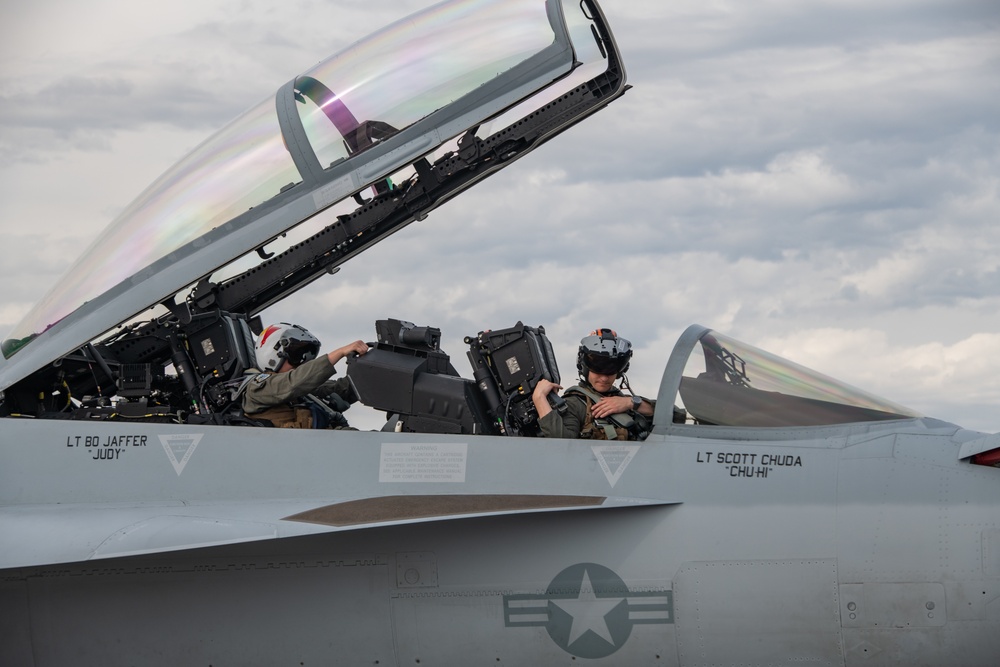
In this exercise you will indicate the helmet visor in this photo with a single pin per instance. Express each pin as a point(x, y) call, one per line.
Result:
point(604, 364)
point(301, 351)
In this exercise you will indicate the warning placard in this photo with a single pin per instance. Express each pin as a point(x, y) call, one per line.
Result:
point(422, 462)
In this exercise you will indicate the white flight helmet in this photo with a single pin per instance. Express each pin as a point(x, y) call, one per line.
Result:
point(282, 341)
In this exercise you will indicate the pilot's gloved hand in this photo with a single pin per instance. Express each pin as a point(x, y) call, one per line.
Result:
point(357, 347)
point(611, 405)
point(540, 396)
point(544, 388)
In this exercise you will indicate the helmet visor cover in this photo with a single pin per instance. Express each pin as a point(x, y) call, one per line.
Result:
point(605, 353)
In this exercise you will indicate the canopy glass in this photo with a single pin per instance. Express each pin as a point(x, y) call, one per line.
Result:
point(728, 383)
point(347, 104)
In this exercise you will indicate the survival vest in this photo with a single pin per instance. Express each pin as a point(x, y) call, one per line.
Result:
point(286, 416)
point(622, 426)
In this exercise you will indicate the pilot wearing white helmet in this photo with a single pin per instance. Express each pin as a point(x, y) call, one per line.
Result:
point(595, 408)
point(291, 370)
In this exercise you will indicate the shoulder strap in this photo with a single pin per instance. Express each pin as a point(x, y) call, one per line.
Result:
point(609, 430)
point(584, 391)
point(238, 387)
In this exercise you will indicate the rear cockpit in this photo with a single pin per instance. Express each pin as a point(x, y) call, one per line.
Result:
point(152, 322)
point(193, 371)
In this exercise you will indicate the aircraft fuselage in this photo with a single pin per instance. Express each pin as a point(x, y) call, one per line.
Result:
point(865, 544)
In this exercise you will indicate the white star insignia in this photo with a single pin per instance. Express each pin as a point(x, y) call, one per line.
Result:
point(588, 612)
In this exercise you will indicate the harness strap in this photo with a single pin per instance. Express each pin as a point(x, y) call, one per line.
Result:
point(244, 382)
point(589, 393)
point(610, 432)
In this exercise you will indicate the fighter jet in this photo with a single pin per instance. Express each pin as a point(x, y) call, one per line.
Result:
point(771, 515)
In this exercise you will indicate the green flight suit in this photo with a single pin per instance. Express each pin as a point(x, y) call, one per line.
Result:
point(578, 422)
point(268, 394)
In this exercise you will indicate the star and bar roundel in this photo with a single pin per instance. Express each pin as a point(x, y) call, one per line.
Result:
point(588, 610)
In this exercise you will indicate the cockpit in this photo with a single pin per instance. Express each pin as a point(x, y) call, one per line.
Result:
point(710, 380)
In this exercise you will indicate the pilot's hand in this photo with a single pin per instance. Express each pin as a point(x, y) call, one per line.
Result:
point(611, 405)
point(544, 388)
point(540, 396)
point(358, 347)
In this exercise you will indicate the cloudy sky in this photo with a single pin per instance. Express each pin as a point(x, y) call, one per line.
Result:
point(819, 179)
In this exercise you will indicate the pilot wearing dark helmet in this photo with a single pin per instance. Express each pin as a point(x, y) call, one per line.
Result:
point(292, 375)
point(595, 408)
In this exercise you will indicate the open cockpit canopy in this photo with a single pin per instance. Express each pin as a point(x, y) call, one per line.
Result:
point(374, 137)
point(720, 381)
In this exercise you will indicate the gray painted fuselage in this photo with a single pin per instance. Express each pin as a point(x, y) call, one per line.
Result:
point(858, 544)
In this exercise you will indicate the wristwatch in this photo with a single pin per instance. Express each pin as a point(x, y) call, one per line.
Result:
point(636, 402)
